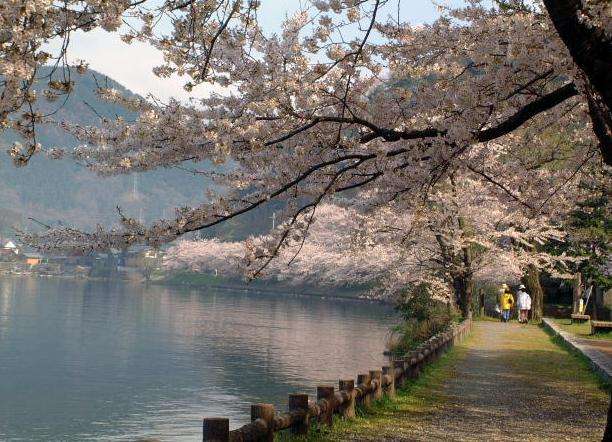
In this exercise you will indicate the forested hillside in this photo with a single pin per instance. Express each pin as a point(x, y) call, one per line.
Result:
point(61, 191)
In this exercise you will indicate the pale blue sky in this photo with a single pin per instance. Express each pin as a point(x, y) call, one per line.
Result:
point(131, 64)
point(413, 11)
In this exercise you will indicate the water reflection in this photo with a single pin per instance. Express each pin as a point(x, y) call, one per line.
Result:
point(98, 361)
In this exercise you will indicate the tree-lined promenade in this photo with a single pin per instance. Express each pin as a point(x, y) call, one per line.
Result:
point(506, 382)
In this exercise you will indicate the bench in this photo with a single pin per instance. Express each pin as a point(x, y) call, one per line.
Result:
point(580, 318)
point(598, 326)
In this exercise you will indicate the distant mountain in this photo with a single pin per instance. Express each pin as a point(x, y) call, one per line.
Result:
point(60, 191)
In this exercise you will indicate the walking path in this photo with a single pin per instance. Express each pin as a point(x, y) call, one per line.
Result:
point(506, 382)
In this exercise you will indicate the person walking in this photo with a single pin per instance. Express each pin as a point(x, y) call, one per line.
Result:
point(507, 301)
point(523, 302)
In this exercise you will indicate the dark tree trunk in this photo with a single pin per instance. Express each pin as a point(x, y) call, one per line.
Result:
point(481, 302)
point(469, 281)
point(464, 284)
point(576, 292)
point(608, 433)
point(534, 288)
point(593, 302)
point(463, 294)
point(590, 49)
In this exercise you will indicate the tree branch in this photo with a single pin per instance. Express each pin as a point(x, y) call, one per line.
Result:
point(529, 111)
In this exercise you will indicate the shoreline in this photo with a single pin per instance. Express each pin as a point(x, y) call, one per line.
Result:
point(281, 290)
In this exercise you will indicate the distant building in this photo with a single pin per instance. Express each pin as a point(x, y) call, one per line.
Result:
point(9, 251)
point(11, 247)
point(153, 254)
point(33, 259)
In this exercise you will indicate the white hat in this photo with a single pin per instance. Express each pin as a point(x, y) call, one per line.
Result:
point(521, 287)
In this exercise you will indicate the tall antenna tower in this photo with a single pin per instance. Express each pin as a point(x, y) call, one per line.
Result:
point(135, 187)
point(273, 220)
point(136, 196)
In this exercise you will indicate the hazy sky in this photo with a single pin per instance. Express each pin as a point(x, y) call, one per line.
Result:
point(131, 64)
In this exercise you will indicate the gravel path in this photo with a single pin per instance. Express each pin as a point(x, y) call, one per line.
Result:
point(510, 382)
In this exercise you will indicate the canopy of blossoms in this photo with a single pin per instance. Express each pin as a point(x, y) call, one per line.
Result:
point(346, 101)
point(391, 249)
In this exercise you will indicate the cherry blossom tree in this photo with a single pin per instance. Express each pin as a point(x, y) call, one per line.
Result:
point(464, 230)
point(333, 255)
point(346, 100)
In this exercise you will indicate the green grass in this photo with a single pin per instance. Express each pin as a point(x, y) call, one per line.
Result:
point(581, 370)
point(487, 319)
point(497, 319)
point(576, 370)
point(582, 330)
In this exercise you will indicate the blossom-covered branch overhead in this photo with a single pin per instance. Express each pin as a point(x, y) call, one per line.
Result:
point(345, 99)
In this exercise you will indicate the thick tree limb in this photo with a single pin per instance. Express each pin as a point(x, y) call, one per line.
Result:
point(591, 50)
point(513, 122)
point(529, 111)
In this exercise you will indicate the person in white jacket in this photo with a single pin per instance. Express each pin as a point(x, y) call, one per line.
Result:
point(523, 303)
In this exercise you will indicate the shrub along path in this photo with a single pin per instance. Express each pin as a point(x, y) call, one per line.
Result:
point(506, 382)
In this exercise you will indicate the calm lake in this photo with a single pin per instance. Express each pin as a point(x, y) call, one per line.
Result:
point(101, 361)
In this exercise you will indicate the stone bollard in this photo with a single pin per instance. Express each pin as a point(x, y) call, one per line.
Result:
point(264, 412)
point(411, 363)
point(399, 370)
point(376, 375)
point(420, 357)
point(327, 393)
point(347, 409)
point(407, 370)
point(364, 381)
point(215, 429)
point(298, 403)
point(389, 372)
